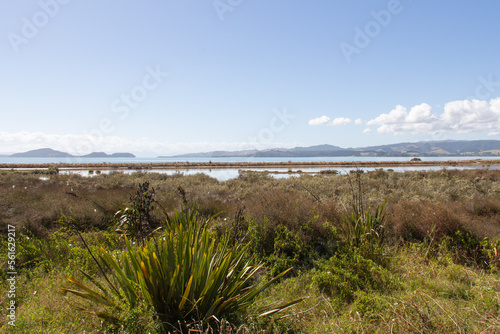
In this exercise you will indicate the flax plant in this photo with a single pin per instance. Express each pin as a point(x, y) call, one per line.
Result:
point(361, 228)
point(184, 275)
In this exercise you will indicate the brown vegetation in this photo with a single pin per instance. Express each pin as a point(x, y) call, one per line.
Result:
point(240, 165)
point(417, 202)
point(428, 269)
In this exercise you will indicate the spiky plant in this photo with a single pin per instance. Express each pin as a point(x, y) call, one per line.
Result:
point(361, 228)
point(184, 275)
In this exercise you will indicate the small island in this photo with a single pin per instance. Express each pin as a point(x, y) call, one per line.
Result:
point(50, 153)
point(105, 155)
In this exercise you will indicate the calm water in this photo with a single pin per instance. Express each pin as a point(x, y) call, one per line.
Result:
point(224, 174)
point(230, 173)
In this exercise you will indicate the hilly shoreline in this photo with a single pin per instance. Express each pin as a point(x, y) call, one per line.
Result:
point(424, 148)
point(448, 148)
point(50, 153)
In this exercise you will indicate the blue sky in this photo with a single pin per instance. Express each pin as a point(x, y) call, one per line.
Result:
point(177, 76)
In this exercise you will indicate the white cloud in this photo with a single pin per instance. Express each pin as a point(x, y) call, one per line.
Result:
point(341, 121)
point(420, 114)
point(396, 116)
point(359, 121)
point(458, 117)
point(325, 120)
point(320, 120)
point(470, 116)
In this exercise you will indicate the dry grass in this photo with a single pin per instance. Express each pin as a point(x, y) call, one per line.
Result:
point(416, 201)
point(434, 222)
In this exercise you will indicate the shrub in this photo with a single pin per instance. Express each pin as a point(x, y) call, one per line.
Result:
point(344, 274)
point(285, 228)
point(329, 171)
point(492, 250)
point(416, 220)
point(467, 249)
point(288, 250)
point(371, 306)
point(136, 219)
point(53, 170)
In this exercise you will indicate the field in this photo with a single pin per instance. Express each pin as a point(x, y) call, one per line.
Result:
point(377, 252)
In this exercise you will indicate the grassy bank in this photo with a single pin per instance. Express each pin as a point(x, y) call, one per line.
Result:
point(426, 261)
point(416, 162)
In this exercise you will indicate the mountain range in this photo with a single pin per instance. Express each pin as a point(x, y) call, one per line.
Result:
point(423, 148)
point(50, 153)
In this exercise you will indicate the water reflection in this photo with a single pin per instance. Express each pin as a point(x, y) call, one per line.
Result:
point(224, 174)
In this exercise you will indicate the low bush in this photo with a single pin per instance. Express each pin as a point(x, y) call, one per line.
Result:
point(344, 274)
point(416, 220)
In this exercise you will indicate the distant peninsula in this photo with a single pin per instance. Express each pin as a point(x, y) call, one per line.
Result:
point(50, 153)
point(424, 148)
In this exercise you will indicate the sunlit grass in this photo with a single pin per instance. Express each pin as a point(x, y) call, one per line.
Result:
point(438, 273)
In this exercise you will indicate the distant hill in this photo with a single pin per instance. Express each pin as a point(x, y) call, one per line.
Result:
point(50, 153)
point(319, 148)
point(42, 153)
point(218, 154)
point(424, 148)
point(104, 155)
point(443, 148)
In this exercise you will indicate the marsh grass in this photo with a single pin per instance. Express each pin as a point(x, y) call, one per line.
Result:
point(436, 271)
point(424, 296)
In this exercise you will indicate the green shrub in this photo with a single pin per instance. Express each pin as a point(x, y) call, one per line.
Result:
point(492, 250)
point(261, 239)
point(288, 250)
point(344, 274)
point(136, 219)
point(467, 249)
point(371, 306)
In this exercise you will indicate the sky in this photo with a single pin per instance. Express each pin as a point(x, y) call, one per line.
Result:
point(180, 76)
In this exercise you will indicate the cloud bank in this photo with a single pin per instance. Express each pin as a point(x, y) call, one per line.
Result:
point(458, 117)
point(466, 116)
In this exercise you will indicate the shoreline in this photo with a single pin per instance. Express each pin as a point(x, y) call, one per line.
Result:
point(233, 165)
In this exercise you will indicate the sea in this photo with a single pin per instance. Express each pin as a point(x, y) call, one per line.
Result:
point(224, 174)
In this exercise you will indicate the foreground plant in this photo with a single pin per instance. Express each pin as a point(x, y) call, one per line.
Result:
point(184, 275)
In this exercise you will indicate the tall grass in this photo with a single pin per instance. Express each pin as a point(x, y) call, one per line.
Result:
point(438, 274)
